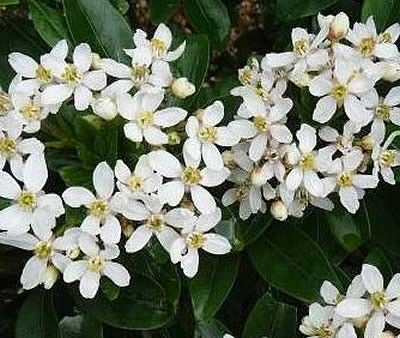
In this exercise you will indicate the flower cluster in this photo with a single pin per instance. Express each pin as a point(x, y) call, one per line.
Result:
point(341, 67)
point(171, 196)
point(364, 310)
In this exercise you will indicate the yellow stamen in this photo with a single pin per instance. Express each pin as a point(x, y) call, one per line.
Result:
point(261, 123)
point(26, 200)
point(345, 180)
point(95, 264)
point(339, 92)
point(196, 240)
point(191, 176)
point(307, 161)
point(135, 183)
point(71, 75)
point(99, 208)
point(208, 134)
point(43, 74)
point(43, 249)
point(145, 118)
point(8, 147)
point(301, 47)
point(367, 46)
point(155, 222)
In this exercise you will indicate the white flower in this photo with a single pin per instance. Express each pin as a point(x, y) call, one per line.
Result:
point(143, 70)
point(195, 236)
point(266, 125)
point(13, 148)
point(332, 296)
point(96, 263)
point(37, 74)
point(30, 205)
point(46, 255)
point(305, 55)
point(347, 181)
point(145, 120)
point(381, 304)
point(101, 208)
point(158, 222)
point(369, 44)
point(204, 135)
point(182, 88)
point(306, 162)
point(159, 44)
point(382, 110)
point(186, 178)
point(75, 79)
point(142, 181)
point(385, 159)
point(338, 142)
point(335, 27)
point(342, 86)
point(319, 322)
point(105, 104)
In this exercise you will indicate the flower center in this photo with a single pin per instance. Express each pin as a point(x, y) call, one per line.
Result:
point(261, 123)
point(385, 37)
point(135, 183)
point(26, 200)
point(208, 134)
point(324, 331)
point(301, 47)
point(43, 249)
point(5, 103)
point(7, 147)
point(367, 46)
point(99, 208)
point(307, 161)
point(241, 192)
point(43, 74)
point(382, 111)
point(159, 46)
point(345, 180)
point(71, 75)
point(196, 240)
point(139, 73)
point(378, 299)
point(191, 176)
point(339, 92)
point(95, 264)
point(145, 118)
point(31, 112)
point(261, 92)
point(155, 222)
point(246, 75)
point(387, 158)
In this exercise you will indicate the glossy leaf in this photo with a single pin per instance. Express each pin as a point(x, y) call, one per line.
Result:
point(49, 23)
point(294, 9)
point(271, 319)
point(162, 10)
point(292, 262)
point(8, 2)
point(209, 17)
point(212, 284)
point(80, 327)
point(378, 258)
point(381, 10)
point(210, 329)
point(100, 24)
point(37, 318)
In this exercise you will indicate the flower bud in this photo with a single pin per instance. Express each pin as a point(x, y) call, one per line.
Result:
point(339, 27)
point(367, 142)
point(96, 62)
point(174, 138)
point(387, 334)
point(279, 210)
point(182, 88)
point(127, 227)
point(104, 107)
point(390, 70)
point(229, 159)
point(360, 322)
point(258, 177)
point(50, 277)
point(73, 253)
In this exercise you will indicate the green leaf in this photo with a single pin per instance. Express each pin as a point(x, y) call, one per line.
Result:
point(209, 17)
point(74, 175)
point(212, 284)
point(271, 319)
point(80, 327)
point(381, 10)
point(100, 24)
point(193, 64)
point(294, 9)
point(162, 10)
point(378, 258)
point(210, 329)
point(49, 23)
point(292, 262)
point(252, 230)
point(37, 318)
point(8, 2)
point(121, 5)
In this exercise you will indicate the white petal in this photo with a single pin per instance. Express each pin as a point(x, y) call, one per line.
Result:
point(212, 178)
point(95, 80)
point(320, 86)
point(281, 133)
point(394, 308)
point(294, 179)
point(329, 293)
point(116, 69)
point(213, 114)
point(171, 192)
point(42, 223)
point(82, 98)
point(227, 137)
point(202, 199)
point(91, 225)
point(258, 146)
point(9, 187)
point(103, 180)
point(349, 199)
point(307, 137)
point(133, 132)
point(89, 284)
point(82, 57)
point(191, 152)
point(55, 94)
point(110, 232)
point(372, 278)
point(216, 244)
point(155, 136)
point(355, 111)
point(243, 128)
point(169, 117)
point(313, 183)
point(211, 156)
point(23, 64)
point(375, 326)
point(166, 237)
point(15, 220)
point(77, 196)
point(32, 275)
point(365, 181)
point(117, 273)
point(325, 109)
point(354, 308)
point(88, 244)
point(74, 271)
point(206, 222)
point(190, 263)
point(138, 239)
point(24, 241)
point(35, 172)
point(165, 163)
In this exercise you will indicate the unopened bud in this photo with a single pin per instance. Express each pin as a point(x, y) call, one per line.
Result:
point(229, 159)
point(73, 253)
point(390, 70)
point(50, 277)
point(387, 334)
point(301, 79)
point(182, 88)
point(361, 322)
point(258, 177)
point(279, 210)
point(96, 62)
point(174, 138)
point(104, 107)
point(367, 142)
point(339, 27)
